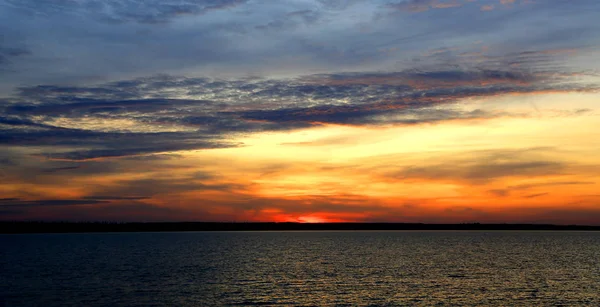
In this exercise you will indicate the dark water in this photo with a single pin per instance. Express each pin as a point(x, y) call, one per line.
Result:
point(301, 269)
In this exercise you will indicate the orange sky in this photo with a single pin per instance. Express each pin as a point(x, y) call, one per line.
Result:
point(532, 168)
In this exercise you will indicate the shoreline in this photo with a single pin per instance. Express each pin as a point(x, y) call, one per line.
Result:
point(100, 227)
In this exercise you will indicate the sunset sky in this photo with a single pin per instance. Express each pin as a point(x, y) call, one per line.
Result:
point(435, 111)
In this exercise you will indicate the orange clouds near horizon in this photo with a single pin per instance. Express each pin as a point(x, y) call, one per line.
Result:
point(513, 169)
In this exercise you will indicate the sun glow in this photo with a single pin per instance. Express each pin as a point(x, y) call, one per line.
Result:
point(311, 219)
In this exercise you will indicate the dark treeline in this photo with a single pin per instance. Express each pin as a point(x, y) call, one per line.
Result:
point(65, 227)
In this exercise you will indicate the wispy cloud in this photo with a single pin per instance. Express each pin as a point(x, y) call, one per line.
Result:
point(535, 195)
point(20, 203)
point(168, 114)
point(147, 12)
point(8, 54)
point(487, 7)
point(546, 184)
point(424, 5)
point(485, 166)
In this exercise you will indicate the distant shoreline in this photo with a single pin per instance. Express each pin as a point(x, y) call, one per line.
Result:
point(91, 227)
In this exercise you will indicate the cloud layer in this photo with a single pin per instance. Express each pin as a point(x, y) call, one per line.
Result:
point(164, 113)
point(413, 110)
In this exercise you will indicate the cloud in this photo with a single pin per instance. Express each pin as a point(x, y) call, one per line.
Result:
point(424, 5)
point(434, 78)
point(524, 187)
point(105, 197)
point(535, 195)
point(125, 151)
point(107, 144)
point(122, 11)
point(487, 7)
point(16, 121)
point(60, 169)
point(119, 212)
point(291, 20)
point(547, 184)
point(484, 167)
point(207, 38)
point(27, 168)
point(499, 192)
point(475, 172)
point(143, 188)
point(167, 114)
point(21, 203)
point(7, 54)
point(369, 115)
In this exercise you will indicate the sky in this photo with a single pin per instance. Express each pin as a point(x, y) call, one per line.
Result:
point(432, 111)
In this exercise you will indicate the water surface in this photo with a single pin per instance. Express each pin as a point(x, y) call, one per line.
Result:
point(395, 268)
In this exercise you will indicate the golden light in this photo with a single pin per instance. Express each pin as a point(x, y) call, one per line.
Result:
point(311, 219)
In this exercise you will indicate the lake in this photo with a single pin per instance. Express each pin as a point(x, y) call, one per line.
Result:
point(354, 268)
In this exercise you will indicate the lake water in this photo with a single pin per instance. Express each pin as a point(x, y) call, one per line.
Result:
point(396, 268)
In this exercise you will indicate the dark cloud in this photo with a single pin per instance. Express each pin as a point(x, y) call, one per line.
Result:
point(424, 5)
point(60, 169)
point(430, 79)
point(135, 212)
point(97, 144)
point(21, 203)
point(120, 211)
point(28, 168)
point(22, 122)
point(304, 37)
point(369, 115)
point(486, 166)
point(105, 197)
point(122, 11)
point(124, 151)
point(169, 114)
point(548, 184)
point(477, 172)
point(291, 20)
point(167, 185)
point(338, 4)
point(535, 195)
point(7, 54)
point(154, 157)
point(91, 106)
point(499, 192)
point(524, 187)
